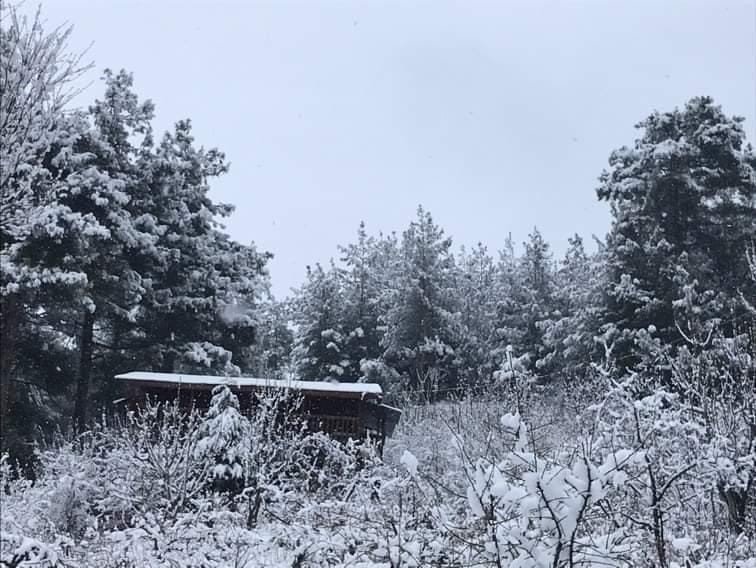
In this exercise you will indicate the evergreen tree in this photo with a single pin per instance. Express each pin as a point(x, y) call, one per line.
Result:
point(83, 235)
point(508, 322)
point(205, 287)
point(683, 201)
point(387, 270)
point(102, 191)
point(37, 138)
point(525, 288)
point(271, 354)
point(361, 302)
point(570, 335)
point(423, 331)
point(477, 302)
point(538, 290)
point(320, 341)
point(340, 313)
point(224, 435)
point(118, 258)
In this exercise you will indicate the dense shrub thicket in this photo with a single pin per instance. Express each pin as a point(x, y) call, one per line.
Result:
point(611, 473)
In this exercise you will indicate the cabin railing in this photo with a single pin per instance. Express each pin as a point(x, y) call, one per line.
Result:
point(336, 424)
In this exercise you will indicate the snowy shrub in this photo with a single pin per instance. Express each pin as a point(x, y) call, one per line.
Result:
point(142, 471)
point(6, 473)
point(24, 551)
point(284, 459)
point(71, 503)
point(656, 442)
point(207, 537)
point(719, 386)
point(526, 509)
point(636, 485)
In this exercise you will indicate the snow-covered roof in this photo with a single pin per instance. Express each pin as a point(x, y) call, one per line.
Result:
point(177, 379)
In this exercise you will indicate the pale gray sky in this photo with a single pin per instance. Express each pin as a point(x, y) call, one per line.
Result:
point(496, 116)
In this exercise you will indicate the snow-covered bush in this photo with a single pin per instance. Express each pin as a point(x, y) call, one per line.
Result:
point(71, 505)
point(285, 459)
point(719, 387)
point(519, 506)
point(24, 551)
point(150, 465)
point(635, 483)
point(656, 442)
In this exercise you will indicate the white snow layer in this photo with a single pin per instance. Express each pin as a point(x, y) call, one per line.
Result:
point(325, 386)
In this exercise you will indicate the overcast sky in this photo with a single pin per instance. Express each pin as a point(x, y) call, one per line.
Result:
point(496, 116)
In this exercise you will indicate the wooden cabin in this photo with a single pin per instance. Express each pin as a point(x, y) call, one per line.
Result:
point(343, 410)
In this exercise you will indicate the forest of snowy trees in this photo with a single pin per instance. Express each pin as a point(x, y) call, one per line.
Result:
point(673, 270)
point(601, 403)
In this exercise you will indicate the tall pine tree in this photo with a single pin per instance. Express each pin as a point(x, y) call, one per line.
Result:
point(422, 327)
point(683, 200)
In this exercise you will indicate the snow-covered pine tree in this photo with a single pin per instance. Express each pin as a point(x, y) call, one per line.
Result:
point(84, 234)
point(423, 331)
point(39, 74)
point(119, 251)
point(111, 256)
point(476, 296)
point(224, 440)
point(387, 268)
point(683, 200)
point(361, 308)
point(569, 336)
point(319, 350)
point(537, 268)
point(200, 305)
point(270, 356)
point(524, 298)
point(508, 325)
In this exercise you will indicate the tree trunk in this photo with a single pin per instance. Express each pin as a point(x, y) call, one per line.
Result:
point(253, 507)
point(736, 500)
point(85, 371)
point(169, 361)
point(10, 312)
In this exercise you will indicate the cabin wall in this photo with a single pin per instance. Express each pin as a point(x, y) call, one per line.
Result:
point(342, 418)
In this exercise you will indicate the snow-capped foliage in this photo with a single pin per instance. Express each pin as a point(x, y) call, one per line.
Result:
point(577, 315)
point(629, 488)
point(410, 462)
point(223, 439)
point(38, 81)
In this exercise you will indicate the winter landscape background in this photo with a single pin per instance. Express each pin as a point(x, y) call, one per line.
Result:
point(595, 406)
